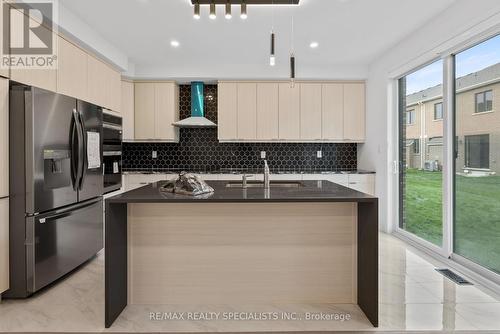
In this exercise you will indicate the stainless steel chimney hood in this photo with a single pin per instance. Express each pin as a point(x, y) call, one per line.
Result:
point(197, 119)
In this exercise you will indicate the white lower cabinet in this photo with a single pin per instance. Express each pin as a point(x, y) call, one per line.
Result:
point(364, 183)
point(4, 244)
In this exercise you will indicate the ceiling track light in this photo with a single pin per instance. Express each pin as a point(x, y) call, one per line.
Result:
point(212, 15)
point(228, 10)
point(244, 14)
point(196, 14)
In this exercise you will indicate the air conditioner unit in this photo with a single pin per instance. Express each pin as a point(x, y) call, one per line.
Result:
point(431, 166)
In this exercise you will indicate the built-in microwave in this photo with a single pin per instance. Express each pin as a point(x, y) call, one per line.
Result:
point(112, 151)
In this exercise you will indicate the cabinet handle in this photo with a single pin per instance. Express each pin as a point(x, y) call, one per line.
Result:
point(353, 182)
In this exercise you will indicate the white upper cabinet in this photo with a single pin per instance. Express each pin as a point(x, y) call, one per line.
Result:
point(332, 111)
point(97, 88)
point(166, 111)
point(289, 111)
point(127, 109)
point(310, 111)
point(227, 117)
point(4, 137)
point(247, 111)
point(144, 111)
point(104, 84)
point(267, 111)
point(72, 73)
point(276, 111)
point(354, 112)
point(156, 108)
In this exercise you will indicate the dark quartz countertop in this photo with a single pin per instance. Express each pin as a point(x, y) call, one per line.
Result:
point(309, 191)
point(246, 171)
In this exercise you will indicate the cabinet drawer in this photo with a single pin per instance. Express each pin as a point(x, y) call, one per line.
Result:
point(361, 178)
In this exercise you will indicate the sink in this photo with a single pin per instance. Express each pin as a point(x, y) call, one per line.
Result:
point(260, 184)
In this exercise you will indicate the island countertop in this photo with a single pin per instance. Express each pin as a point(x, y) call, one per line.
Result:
point(309, 191)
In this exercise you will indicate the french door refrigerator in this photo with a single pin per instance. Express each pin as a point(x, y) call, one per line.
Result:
point(56, 187)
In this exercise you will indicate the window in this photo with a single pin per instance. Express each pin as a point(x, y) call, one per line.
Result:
point(477, 151)
point(410, 117)
point(484, 101)
point(416, 146)
point(438, 111)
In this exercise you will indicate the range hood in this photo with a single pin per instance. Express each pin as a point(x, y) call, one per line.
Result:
point(197, 119)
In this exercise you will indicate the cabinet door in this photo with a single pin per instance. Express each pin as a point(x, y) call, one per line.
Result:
point(114, 89)
point(4, 244)
point(97, 83)
point(227, 109)
point(72, 71)
point(166, 111)
point(144, 113)
point(127, 109)
point(310, 111)
point(267, 111)
point(42, 78)
point(4, 137)
point(354, 112)
point(247, 111)
point(332, 111)
point(289, 111)
point(364, 183)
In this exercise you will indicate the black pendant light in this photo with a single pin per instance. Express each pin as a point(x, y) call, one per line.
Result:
point(292, 58)
point(272, 57)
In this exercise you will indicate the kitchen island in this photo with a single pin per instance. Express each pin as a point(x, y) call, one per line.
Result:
point(307, 241)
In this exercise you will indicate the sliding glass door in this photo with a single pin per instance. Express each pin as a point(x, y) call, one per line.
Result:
point(421, 153)
point(477, 147)
point(449, 156)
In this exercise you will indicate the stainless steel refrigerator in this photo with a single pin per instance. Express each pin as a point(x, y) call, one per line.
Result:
point(56, 187)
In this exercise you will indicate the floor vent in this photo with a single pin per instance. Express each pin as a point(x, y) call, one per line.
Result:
point(454, 277)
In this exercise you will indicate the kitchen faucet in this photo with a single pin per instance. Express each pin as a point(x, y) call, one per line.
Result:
point(266, 175)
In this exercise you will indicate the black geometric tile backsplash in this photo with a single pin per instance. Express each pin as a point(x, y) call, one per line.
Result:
point(199, 150)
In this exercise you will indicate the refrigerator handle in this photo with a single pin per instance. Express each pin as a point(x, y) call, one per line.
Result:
point(83, 152)
point(79, 162)
point(75, 152)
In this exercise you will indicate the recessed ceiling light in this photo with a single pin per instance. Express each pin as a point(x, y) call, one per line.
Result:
point(314, 45)
point(174, 43)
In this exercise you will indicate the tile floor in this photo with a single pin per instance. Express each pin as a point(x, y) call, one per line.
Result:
point(412, 297)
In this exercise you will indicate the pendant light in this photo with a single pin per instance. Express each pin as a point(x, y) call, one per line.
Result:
point(292, 59)
point(212, 15)
point(272, 58)
point(228, 10)
point(243, 10)
point(197, 10)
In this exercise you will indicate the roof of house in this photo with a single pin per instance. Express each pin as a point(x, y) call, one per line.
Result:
point(489, 74)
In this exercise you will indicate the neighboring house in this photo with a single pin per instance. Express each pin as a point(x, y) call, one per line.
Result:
point(477, 123)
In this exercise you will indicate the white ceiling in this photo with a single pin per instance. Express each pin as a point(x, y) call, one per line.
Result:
point(350, 33)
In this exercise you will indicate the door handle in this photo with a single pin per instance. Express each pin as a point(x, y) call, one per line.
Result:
point(76, 156)
point(81, 152)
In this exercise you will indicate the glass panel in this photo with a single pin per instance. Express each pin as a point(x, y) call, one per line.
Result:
point(421, 167)
point(477, 145)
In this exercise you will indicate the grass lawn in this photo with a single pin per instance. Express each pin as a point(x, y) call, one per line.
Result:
point(477, 227)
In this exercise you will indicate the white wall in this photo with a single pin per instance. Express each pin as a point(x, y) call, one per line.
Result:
point(76, 28)
point(459, 25)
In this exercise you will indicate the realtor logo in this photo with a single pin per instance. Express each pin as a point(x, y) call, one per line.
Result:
point(28, 34)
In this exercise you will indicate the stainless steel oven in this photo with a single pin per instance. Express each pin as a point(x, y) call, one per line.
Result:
point(112, 151)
